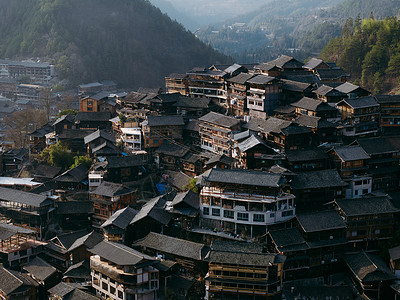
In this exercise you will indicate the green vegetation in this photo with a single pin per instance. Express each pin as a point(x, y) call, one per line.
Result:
point(191, 186)
point(67, 112)
point(130, 42)
point(81, 160)
point(369, 50)
point(57, 155)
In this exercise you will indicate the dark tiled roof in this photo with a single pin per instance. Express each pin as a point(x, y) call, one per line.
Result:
point(221, 120)
point(251, 142)
point(12, 280)
point(190, 198)
point(79, 270)
point(120, 254)
point(287, 110)
point(313, 105)
point(328, 74)
point(286, 62)
point(68, 291)
point(165, 121)
point(240, 136)
point(306, 155)
point(245, 177)
point(313, 122)
point(380, 145)
point(295, 86)
point(242, 78)
point(110, 189)
point(261, 79)
point(387, 99)
point(67, 239)
point(320, 221)
point(277, 169)
point(192, 125)
point(350, 153)
point(366, 206)
point(62, 289)
point(90, 240)
point(325, 90)
point(175, 246)
point(123, 162)
point(368, 267)
point(317, 179)
point(93, 116)
point(166, 98)
point(9, 230)
point(313, 63)
point(99, 134)
point(287, 237)
point(40, 269)
point(192, 102)
point(47, 171)
point(75, 175)
point(233, 68)
point(265, 67)
point(106, 148)
point(11, 195)
point(100, 95)
point(236, 247)
point(255, 124)
point(176, 76)
point(74, 134)
point(178, 179)
point(172, 149)
point(122, 218)
point(153, 209)
point(222, 158)
point(360, 102)
point(347, 88)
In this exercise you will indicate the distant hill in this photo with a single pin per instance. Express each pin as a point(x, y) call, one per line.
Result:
point(130, 42)
point(284, 25)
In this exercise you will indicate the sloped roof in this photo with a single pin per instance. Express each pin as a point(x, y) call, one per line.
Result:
point(380, 145)
point(93, 116)
point(153, 209)
point(313, 104)
point(394, 253)
point(100, 95)
point(165, 120)
point(106, 148)
point(288, 237)
point(121, 218)
point(120, 254)
point(175, 246)
point(295, 86)
point(172, 149)
point(368, 267)
point(39, 269)
point(313, 63)
point(350, 153)
point(233, 68)
point(347, 88)
point(313, 122)
point(306, 155)
point(99, 134)
point(12, 280)
point(242, 78)
point(366, 206)
point(89, 240)
point(261, 79)
point(123, 162)
point(328, 74)
point(320, 221)
point(286, 62)
point(325, 90)
point(189, 197)
point(245, 177)
point(110, 189)
point(251, 142)
point(221, 120)
point(317, 179)
point(387, 99)
point(77, 174)
point(47, 171)
point(184, 101)
point(361, 102)
point(11, 195)
point(79, 270)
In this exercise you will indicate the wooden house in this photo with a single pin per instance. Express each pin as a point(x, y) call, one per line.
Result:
point(156, 129)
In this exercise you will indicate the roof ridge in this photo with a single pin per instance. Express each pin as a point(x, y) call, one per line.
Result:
point(9, 272)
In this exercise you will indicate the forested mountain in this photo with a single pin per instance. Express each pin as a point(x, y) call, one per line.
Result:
point(369, 49)
point(130, 42)
point(307, 25)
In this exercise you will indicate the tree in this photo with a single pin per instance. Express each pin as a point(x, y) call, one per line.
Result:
point(67, 112)
point(192, 186)
point(81, 160)
point(57, 155)
point(47, 101)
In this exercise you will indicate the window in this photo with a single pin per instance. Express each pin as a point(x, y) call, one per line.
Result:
point(120, 295)
point(155, 141)
point(243, 216)
point(216, 212)
point(359, 182)
point(272, 215)
point(366, 181)
point(229, 214)
point(258, 218)
point(287, 213)
point(365, 191)
point(104, 286)
point(377, 231)
point(354, 233)
point(206, 211)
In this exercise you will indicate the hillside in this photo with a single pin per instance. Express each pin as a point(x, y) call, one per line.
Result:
point(130, 42)
point(307, 25)
point(370, 51)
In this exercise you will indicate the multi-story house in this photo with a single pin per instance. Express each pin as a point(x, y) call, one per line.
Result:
point(131, 139)
point(210, 84)
point(215, 130)
point(264, 95)
point(176, 83)
point(243, 271)
point(244, 202)
point(156, 129)
point(109, 197)
point(120, 272)
point(360, 116)
point(35, 70)
point(351, 162)
point(352, 90)
point(27, 209)
point(329, 94)
point(315, 108)
point(237, 93)
point(369, 220)
point(390, 111)
point(92, 103)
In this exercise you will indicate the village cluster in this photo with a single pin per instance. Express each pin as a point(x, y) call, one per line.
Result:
point(277, 180)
